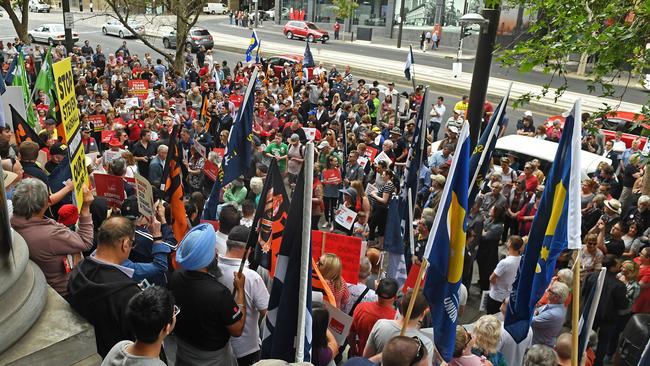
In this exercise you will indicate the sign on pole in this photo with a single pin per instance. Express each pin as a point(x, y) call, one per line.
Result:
point(64, 83)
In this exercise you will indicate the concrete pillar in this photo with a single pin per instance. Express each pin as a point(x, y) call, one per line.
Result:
point(311, 8)
point(278, 11)
point(390, 15)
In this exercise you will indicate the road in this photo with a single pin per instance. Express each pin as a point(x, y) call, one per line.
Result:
point(91, 31)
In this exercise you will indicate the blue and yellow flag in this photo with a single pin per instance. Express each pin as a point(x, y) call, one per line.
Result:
point(445, 250)
point(555, 227)
point(254, 43)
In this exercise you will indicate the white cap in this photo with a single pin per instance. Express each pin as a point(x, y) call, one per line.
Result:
point(528, 114)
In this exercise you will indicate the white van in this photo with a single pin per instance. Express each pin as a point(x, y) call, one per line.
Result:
point(215, 8)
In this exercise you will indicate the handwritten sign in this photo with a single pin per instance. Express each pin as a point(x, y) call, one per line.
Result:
point(110, 187)
point(332, 176)
point(139, 88)
point(348, 248)
point(345, 217)
point(145, 195)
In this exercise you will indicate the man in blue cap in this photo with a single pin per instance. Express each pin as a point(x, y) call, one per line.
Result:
point(210, 314)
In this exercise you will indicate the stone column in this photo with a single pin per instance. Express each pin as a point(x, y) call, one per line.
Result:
point(390, 15)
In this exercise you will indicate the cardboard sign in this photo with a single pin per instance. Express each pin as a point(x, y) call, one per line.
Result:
point(384, 157)
point(131, 102)
point(110, 187)
point(340, 322)
point(348, 248)
point(370, 153)
point(363, 161)
point(107, 136)
point(310, 132)
point(98, 121)
point(110, 155)
point(332, 176)
point(211, 170)
point(64, 84)
point(200, 149)
point(345, 217)
point(144, 194)
point(139, 88)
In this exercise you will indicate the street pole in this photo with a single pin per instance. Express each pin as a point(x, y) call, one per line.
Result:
point(401, 24)
point(481, 75)
point(257, 13)
point(67, 26)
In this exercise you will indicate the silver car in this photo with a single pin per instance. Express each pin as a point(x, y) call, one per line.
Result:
point(196, 38)
point(116, 28)
point(51, 34)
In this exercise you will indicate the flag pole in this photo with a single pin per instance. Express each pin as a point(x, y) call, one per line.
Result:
point(416, 289)
point(410, 229)
point(305, 252)
point(575, 313)
point(412, 68)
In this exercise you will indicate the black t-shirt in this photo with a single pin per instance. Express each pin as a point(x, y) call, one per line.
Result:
point(139, 151)
point(615, 246)
point(207, 307)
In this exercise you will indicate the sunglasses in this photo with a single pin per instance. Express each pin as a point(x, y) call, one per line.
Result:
point(420, 353)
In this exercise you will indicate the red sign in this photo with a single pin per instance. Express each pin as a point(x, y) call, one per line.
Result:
point(412, 276)
point(211, 170)
point(107, 136)
point(110, 187)
point(98, 121)
point(220, 151)
point(371, 152)
point(139, 88)
point(348, 248)
point(332, 176)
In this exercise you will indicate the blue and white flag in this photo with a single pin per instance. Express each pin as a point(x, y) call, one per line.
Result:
point(556, 226)
point(409, 64)
point(9, 78)
point(445, 250)
point(589, 309)
point(307, 58)
point(239, 152)
point(254, 43)
point(281, 324)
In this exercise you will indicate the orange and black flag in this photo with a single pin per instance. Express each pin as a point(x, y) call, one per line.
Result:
point(289, 87)
point(23, 131)
point(205, 114)
point(172, 185)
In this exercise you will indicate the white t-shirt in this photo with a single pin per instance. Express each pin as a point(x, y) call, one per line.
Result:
point(440, 109)
point(257, 299)
point(384, 330)
point(506, 271)
point(221, 244)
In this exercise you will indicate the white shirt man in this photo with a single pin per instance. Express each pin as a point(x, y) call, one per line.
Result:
point(438, 111)
point(504, 275)
point(247, 345)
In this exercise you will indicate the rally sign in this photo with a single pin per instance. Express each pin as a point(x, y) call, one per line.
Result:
point(110, 187)
point(332, 176)
point(145, 195)
point(345, 217)
point(98, 121)
point(347, 248)
point(64, 84)
point(139, 88)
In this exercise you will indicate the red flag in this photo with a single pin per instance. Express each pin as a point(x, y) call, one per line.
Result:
point(172, 185)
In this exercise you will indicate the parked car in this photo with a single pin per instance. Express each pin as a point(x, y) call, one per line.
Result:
point(284, 13)
point(116, 28)
point(524, 148)
point(196, 37)
point(277, 63)
point(215, 8)
point(305, 30)
point(36, 6)
point(51, 34)
point(631, 124)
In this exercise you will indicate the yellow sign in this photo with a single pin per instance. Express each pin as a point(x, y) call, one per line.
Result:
point(64, 84)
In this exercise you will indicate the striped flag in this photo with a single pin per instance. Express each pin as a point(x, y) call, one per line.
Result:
point(555, 227)
point(409, 64)
point(445, 250)
point(171, 184)
point(281, 323)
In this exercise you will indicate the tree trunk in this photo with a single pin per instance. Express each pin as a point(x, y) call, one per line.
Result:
point(582, 65)
point(182, 29)
point(20, 25)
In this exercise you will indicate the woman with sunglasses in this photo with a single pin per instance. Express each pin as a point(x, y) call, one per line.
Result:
point(463, 355)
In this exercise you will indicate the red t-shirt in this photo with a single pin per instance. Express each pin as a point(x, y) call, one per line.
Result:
point(135, 127)
point(364, 318)
point(642, 303)
point(531, 182)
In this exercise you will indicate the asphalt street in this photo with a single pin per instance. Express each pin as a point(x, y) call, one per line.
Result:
point(91, 31)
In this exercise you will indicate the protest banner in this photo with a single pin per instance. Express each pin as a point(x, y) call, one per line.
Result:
point(64, 84)
point(348, 248)
point(110, 187)
point(340, 323)
point(370, 188)
point(310, 132)
point(107, 136)
point(144, 194)
point(332, 176)
point(370, 153)
point(345, 217)
point(139, 88)
point(211, 170)
point(98, 122)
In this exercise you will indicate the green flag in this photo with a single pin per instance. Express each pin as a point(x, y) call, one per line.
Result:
point(45, 82)
point(20, 79)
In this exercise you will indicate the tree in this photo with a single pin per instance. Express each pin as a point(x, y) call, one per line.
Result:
point(20, 24)
point(186, 12)
point(344, 8)
point(611, 34)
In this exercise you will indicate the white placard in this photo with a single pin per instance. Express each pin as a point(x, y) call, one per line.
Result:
point(131, 102)
point(144, 195)
point(110, 155)
point(383, 156)
point(310, 132)
point(345, 217)
point(340, 322)
point(370, 188)
point(363, 161)
point(200, 149)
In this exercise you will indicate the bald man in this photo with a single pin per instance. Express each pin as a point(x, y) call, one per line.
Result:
point(563, 348)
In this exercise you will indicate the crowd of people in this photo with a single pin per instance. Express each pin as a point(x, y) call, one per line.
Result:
point(130, 277)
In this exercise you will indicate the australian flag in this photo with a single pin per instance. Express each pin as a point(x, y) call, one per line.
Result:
point(239, 151)
point(555, 227)
point(281, 323)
